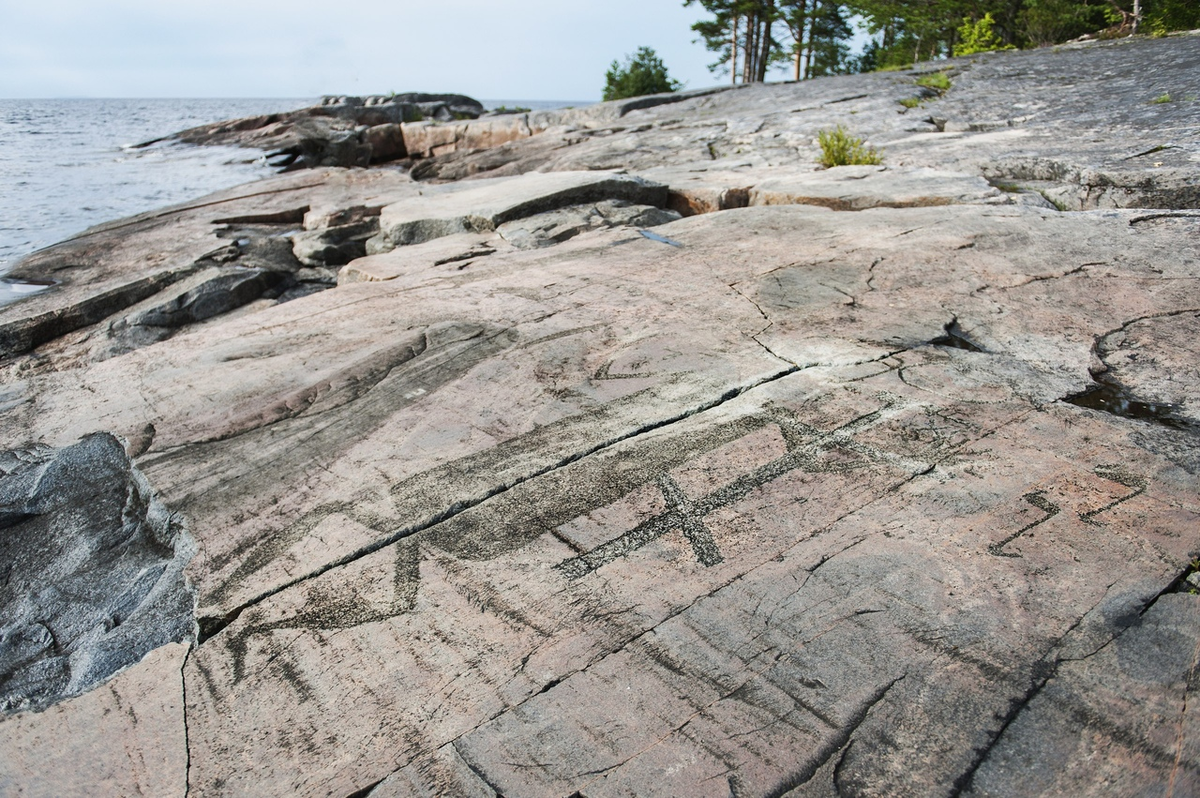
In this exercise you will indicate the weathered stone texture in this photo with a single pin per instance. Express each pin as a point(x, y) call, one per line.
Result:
point(870, 481)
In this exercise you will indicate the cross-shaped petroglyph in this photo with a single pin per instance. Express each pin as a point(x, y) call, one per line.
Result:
point(1112, 472)
point(806, 448)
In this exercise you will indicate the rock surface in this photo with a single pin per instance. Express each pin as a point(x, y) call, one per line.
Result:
point(93, 571)
point(849, 482)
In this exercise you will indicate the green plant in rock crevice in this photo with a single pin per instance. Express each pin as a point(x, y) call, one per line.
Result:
point(940, 81)
point(839, 148)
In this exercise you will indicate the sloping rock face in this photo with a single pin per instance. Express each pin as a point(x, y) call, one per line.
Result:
point(848, 482)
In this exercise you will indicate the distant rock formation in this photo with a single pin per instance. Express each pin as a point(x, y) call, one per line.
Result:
point(339, 131)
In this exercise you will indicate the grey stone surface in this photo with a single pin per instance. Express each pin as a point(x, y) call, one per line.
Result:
point(554, 227)
point(482, 206)
point(336, 245)
point(93, 571)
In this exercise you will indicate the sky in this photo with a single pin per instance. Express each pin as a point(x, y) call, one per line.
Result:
point(521, 49)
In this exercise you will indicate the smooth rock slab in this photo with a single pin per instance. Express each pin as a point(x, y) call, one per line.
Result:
point(853, 188)
point(458, 251)
point(128, 737)
point(483, 205)
point(554, 227)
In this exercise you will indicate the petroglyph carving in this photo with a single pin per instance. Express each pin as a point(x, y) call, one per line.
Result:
point(1112, 472)
point(808, 450)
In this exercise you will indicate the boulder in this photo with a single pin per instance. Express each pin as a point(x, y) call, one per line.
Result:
point(386, 142)
point(335, 245)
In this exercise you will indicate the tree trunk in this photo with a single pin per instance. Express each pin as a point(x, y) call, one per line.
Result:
point(808, 55)
point(1137, 15)
point(733, 50)
point(799, 34)
point(764, 58)
point(750, 49)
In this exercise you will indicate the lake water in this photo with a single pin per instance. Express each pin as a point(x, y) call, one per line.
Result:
point(66, 165)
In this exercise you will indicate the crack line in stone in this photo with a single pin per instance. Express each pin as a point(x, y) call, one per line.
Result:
point(1191, 677)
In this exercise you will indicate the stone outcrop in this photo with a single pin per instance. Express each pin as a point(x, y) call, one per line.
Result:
point(340, 131)
point(649, 460)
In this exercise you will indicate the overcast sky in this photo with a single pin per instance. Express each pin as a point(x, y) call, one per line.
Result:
point(522, 49)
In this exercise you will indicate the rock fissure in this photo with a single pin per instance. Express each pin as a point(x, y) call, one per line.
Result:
point(836, 743)
point(187, 742)
point(1189, 681)
point(479, 774)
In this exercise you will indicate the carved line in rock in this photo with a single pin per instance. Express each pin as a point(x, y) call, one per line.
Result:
point(1113, 472)
point(806, 445)
point(393, 527)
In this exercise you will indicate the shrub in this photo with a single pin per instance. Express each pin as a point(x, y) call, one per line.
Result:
point(979, 37)
point(839, 148)
point(643, 73)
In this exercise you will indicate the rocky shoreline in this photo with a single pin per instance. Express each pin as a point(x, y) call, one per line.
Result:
point(620, 450)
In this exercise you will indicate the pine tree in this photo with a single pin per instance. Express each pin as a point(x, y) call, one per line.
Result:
point(642, 73)
point(743, 33)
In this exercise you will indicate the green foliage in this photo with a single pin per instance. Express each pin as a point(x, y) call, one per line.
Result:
point(979, 37)
point(1046, 22)
point(810, 36)
point(911, 102)
point(935, 80)
point(504, 109)
point(643, 73)
point(1165, 97)
point(1165, 16)
point(839, 148)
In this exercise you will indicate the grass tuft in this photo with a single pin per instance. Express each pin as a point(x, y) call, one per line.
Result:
point(839, 148)
point(935, 80)
point(1165, 97)
point(911, 102)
